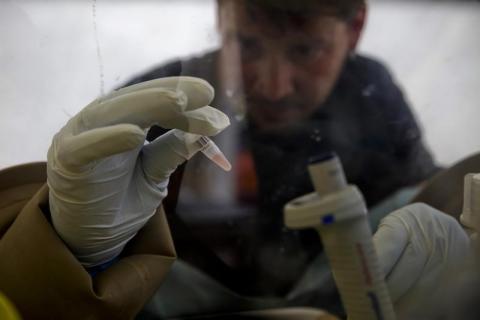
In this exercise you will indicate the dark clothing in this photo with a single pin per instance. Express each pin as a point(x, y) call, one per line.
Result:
point(366, 121)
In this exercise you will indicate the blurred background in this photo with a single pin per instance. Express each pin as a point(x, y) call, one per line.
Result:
point(57, 56)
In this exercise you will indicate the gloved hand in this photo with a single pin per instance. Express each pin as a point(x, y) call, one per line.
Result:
point(105, 181)
point(418, 247)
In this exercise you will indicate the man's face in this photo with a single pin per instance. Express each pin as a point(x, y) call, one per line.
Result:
point(285, 73)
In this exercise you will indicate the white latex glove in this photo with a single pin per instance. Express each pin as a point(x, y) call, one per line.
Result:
point(418, 247)
point(105, 181)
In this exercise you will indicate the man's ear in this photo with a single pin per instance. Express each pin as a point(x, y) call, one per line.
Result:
point(356, 26)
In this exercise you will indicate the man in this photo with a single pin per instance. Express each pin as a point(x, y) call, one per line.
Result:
point(297, 68)
point(104, 181)
point(290, 69)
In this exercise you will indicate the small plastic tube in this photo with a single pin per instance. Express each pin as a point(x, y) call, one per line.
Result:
point(212, 152)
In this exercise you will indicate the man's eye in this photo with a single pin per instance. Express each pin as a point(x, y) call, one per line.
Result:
point(250, 48)
point(304, 52)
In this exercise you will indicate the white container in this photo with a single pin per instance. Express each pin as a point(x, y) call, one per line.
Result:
point(470, 216)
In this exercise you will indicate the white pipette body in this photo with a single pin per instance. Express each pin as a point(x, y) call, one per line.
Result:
point(338, 212)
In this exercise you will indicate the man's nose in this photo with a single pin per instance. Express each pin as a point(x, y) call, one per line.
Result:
point(275, 79)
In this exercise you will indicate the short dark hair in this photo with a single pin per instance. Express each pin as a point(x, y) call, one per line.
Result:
point(298, 12)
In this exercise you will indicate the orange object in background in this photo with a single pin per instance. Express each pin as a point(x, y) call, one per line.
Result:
point(246, 178)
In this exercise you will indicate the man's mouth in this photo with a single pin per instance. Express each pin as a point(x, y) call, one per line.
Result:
point(273, 111)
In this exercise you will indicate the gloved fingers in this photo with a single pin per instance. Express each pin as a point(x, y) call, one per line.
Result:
point(390, 241)
point(431, 241)
point(206, 121)
point(141, 107)
point(161, 157)
point(199, 92)
point(74, 152)
point(158, 101)
point(401, 259)
point(151, 106)
point(437, 231)
point(406, 272)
